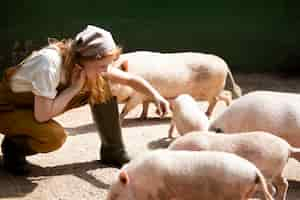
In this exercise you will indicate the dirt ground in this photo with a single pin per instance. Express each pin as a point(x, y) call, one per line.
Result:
point(74, 173)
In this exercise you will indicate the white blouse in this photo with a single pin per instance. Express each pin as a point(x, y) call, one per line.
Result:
point(39, 73)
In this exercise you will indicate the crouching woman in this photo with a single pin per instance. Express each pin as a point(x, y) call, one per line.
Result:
point(64, 75)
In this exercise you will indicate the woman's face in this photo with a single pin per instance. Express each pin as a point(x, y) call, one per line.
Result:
point(96, 66)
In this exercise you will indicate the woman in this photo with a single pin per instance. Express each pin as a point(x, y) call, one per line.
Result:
point(64, 75)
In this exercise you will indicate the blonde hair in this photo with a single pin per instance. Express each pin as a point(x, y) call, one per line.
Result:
point(98, 89)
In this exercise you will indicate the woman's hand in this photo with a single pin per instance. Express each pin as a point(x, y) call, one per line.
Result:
point(162, 105)
point(78, 77)
point(45, 108)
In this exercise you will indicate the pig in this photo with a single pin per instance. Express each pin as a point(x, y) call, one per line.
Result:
point(187, 116)
point(200, 75)
point(274, 112)
point(186, 175)
point(268, 152)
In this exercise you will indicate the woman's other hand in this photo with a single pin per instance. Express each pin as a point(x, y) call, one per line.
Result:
point(162, 105)
point(78, 77)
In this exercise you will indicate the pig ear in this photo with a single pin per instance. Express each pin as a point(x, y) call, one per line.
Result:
point(124, 178)
point(52, 40)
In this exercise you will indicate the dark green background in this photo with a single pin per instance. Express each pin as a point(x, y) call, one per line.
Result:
point(257, 35)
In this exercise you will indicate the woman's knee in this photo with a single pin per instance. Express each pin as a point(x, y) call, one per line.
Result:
point(55, 137)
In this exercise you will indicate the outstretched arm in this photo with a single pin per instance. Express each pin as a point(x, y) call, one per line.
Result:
point(139, 84)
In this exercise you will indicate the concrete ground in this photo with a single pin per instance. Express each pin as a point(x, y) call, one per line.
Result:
point(74, 173)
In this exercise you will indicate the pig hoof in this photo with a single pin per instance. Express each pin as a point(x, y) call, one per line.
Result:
point(142, 118)
point(218, 130)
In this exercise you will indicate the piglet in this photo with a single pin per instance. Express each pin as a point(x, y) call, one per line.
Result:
point(186, 175)
point(187, 116)
point(268, 152)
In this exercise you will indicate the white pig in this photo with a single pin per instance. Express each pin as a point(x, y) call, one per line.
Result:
point(186, 175)
point(187, 116)
point(274, 112)
point(200, 75)
point(268, 152)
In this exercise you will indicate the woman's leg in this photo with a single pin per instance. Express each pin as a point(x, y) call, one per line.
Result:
point(106, 117)
point(25, 136)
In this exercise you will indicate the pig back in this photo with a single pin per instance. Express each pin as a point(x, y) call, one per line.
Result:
point(177, 73)
point(211, 175)
point(274, 112)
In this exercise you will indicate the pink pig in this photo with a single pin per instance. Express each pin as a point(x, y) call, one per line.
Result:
point(268, 152)
point(186, 175)
point(203, 76)
point(273, 112)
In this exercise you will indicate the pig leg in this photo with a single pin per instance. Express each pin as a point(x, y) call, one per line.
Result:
point(271, 188)
point(212, 104)
point(145, 111)
point(248, 195)
point(171, 129)
point(281, 185)
point(131, 104)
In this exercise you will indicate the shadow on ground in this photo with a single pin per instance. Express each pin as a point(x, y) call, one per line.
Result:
point(293, 192)
point(20, 186)
point(127, 123)
point(161, 143)
point(136, 122)
point(87, 128)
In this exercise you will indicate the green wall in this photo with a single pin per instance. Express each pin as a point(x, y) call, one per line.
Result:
point(255, 35)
